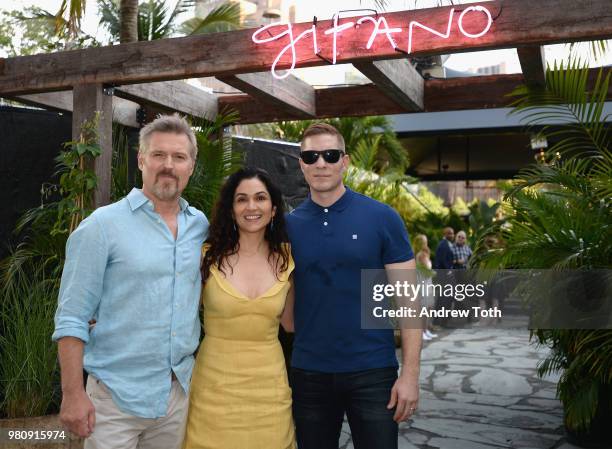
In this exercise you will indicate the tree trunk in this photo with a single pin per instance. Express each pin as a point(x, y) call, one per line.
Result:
point(129, 21)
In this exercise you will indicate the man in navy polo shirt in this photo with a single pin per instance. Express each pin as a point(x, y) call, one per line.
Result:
point(338, 367)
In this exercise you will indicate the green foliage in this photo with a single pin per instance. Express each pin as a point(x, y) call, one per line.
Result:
point(28, 370)
point(215, 162)
point(123, 179)
point(71, 25)
point(568, 101)
point(31, 275)
point(32, 30)
point(559, 216)
point(157, 21)
point(225, 17)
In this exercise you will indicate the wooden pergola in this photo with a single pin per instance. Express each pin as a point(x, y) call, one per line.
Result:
point(119, 79)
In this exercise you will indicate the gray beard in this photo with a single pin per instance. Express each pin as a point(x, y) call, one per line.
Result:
point(166, 191)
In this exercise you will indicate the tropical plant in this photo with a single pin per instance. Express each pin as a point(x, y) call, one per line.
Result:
point(157, 21)
point(129, 21)
point(123, 176)
point(30, 276)
point(28, 370)
point(32, 30)
point(559, 217)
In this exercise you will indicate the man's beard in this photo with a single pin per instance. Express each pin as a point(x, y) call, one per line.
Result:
point(166, 189)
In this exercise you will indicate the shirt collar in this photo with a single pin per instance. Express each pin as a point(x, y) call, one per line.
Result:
point(340, 204)
point(137, 199)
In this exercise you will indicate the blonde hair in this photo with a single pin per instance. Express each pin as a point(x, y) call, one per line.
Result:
point(420, 244)
point(317, 129)
point(175, 124)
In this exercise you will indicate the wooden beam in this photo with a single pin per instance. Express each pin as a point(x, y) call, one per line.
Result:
point(533, 65)
point(515, 23)
point(454, 94)
point(398, 80)
point(124, 111)
point(87, 100)
point(356, 101)
point(172, 96)
point(290, 94)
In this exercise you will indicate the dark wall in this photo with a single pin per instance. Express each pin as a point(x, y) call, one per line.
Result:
point(29, 141)
point(281, 161)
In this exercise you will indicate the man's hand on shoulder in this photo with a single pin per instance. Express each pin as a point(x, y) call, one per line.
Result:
point(77, 413)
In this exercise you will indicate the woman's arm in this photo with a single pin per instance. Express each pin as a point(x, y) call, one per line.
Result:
point(287, 315)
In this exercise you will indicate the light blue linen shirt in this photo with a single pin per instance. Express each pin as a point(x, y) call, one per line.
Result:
point(125, 269)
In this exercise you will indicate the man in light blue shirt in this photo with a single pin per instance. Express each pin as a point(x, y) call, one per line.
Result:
point(134, 268)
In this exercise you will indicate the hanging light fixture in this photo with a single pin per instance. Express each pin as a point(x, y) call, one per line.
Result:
point(272, 11)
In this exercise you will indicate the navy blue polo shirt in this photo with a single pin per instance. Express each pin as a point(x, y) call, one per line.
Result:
point(330, 246)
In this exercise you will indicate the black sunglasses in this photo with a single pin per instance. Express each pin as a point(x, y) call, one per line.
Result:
point(329, 156)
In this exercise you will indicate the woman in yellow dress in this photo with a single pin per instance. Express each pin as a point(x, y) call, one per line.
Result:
point(239, 396)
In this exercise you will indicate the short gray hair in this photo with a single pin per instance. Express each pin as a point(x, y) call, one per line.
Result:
point(174, 123)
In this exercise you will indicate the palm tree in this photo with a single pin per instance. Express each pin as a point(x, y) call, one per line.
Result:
point(559, 214)
point(129, 21)
point(156, 21)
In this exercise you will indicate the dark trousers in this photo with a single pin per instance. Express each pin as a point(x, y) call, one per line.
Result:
point(320, 401)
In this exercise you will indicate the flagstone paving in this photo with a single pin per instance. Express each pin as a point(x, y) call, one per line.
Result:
point(480, 390)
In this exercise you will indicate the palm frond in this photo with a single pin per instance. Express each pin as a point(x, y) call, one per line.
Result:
point(566, 100)
point(76, 11)
point(597, 49)
point(225, 17)
point(110, 17)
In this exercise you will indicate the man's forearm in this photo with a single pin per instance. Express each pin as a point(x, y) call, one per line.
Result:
point(70, 351)
point(411, 352)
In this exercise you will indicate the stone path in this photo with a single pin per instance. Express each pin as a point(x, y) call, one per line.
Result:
point(479, 390)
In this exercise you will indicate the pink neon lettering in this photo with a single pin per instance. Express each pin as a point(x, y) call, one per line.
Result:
point(414, 23)
point(376, 31)
point(380, 26)
point(291, 45)
point(487, 27)
point(335, 30)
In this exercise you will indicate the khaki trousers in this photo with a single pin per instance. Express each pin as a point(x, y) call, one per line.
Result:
point(115, 429)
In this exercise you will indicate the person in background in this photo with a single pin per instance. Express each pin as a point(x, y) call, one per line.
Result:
point(444, 261)
point(461, 256)
point(461, 251)
point(423, 262)
point(444, 251)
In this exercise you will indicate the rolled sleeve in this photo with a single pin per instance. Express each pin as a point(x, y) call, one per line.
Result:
point(82, 280)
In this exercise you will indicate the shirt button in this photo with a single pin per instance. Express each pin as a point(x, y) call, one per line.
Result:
point(174, 334)
point(324, 223)
point(325, 210)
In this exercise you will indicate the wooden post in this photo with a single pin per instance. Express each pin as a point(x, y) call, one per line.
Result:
point(87, 100)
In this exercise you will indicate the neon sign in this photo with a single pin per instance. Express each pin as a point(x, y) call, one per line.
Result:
point(379, 24)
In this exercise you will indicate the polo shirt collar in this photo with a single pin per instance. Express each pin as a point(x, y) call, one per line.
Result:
point(340, 204)
point(137, 199)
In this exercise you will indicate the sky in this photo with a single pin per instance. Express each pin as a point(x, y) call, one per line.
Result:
point(306, 9)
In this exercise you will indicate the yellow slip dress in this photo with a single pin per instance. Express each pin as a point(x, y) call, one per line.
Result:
point(239, 396)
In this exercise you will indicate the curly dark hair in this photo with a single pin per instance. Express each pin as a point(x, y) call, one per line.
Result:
point(223, 237)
